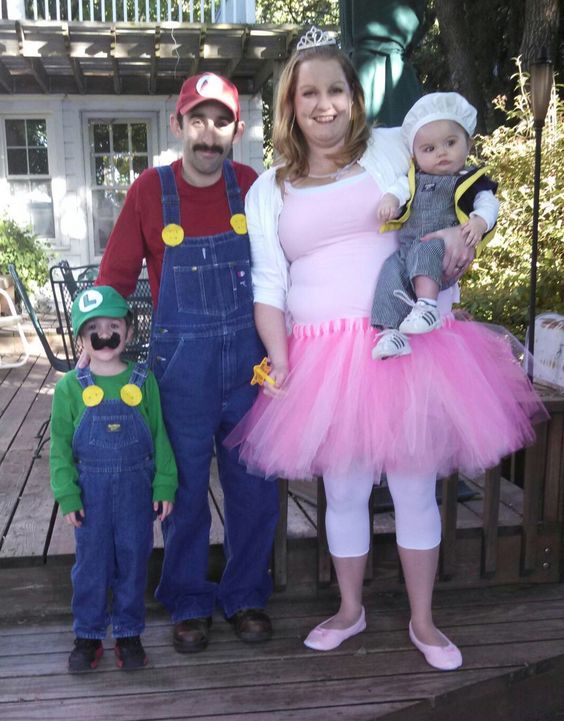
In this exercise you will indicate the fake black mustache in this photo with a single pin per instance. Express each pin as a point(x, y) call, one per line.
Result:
point(98, 343)
point(209, 148)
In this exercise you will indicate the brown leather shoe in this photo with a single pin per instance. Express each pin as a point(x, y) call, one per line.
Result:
point(191, 635)
point(252, 625)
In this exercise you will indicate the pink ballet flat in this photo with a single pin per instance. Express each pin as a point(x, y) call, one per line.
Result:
point(326, 639)
point(445, 658)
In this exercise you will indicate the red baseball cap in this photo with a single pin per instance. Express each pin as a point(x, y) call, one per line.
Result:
point(207, 86)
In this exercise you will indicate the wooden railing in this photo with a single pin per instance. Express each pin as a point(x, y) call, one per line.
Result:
point(182, 11)
point(529, 548)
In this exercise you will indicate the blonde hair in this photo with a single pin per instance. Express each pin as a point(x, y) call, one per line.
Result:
point(287, 137)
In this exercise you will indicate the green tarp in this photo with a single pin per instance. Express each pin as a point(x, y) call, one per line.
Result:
point(375, 34)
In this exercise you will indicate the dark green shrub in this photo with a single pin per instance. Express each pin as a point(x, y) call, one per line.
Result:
point(496, 288)
point(21, 247)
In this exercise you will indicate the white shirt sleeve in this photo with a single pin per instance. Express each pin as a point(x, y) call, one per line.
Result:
point(387, 157)
point(268, 263)
point(400, 189)
point(486, 205)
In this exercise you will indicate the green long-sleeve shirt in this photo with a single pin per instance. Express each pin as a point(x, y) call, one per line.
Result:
point(68, 408)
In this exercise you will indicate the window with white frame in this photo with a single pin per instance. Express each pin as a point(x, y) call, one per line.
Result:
point(119, 152)
point(31, 199)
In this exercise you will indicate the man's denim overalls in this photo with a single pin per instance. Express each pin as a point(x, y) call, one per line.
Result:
point(113, 451)
point(204, 345)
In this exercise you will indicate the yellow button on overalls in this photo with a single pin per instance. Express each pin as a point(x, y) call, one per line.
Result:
point(172, 234)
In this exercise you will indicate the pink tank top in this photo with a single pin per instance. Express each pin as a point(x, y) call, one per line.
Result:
point(330, 236)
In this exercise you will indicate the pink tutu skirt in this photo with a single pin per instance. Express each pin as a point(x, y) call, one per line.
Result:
point(460, 401)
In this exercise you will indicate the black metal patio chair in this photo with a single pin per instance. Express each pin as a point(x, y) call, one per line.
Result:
point(67, 282)
point(59, 364)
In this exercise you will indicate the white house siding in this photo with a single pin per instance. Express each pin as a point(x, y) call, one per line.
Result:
point(68, 152)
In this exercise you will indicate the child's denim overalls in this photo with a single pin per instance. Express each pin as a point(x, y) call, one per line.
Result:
point(204, 345)
point(113, 450)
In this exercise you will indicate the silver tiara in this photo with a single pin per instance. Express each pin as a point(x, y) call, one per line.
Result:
point(314, 38)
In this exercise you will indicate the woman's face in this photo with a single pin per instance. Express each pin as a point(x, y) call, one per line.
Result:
point(322, 103)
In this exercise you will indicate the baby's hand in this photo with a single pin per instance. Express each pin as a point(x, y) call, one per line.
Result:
point(388, 208)
point(473, 230)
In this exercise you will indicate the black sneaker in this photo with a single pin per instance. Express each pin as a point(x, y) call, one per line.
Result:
point(85, 654)
point(130, 653)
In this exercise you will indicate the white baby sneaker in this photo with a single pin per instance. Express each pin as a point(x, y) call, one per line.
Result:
point(391, 343)
point(422, 318)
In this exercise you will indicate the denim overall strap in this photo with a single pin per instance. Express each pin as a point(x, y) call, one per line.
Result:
point(171, 202)
point(203, 347)
point(234, 198)
point(169, 195)
point(84, 377)
point(139, 374)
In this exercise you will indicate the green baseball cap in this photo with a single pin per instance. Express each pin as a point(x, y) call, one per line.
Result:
point(96, 302)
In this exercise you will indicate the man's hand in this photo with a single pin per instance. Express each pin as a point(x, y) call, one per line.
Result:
point(83, 360)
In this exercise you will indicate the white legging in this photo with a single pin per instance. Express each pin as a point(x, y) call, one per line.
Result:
point(418, 521)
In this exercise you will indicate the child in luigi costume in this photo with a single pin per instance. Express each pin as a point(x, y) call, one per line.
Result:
point(112, 471)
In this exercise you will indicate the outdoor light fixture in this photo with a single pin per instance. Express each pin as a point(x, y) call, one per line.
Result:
point(541, 86)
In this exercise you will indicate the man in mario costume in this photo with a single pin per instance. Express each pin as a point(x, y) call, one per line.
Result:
point(187, 220)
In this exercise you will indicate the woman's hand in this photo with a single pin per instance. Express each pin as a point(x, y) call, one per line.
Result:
point(278, 375)
point(271, 327)
point(458, 255)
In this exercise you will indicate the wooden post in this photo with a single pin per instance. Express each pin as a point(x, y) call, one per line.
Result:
point(492, 484)
point(280, 550)
point(535, 464)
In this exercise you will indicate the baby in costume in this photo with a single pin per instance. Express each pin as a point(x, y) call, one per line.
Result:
point(440, 190)
point(112, 470)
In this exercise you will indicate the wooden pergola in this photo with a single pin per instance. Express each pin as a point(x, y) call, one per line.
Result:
point(136, 58)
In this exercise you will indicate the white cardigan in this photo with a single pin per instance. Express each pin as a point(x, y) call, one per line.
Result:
point(386, 157)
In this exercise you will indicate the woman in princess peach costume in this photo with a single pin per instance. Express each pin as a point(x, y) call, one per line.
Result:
point(459, 401)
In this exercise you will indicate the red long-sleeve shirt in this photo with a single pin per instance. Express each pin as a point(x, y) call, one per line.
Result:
point(137, 232)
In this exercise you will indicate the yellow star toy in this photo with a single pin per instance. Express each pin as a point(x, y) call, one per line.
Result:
point(261, 373)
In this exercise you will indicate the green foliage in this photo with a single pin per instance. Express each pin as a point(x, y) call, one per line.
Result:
point(21, 247)
point(299, 12)
point(496, 288)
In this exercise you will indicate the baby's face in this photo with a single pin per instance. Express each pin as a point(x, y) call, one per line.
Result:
point(441, 147)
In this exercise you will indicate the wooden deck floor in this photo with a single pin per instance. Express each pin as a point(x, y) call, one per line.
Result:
point(512, 638)
point(512, 641)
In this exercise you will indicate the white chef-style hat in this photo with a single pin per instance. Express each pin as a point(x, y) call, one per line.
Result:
point(438, 106)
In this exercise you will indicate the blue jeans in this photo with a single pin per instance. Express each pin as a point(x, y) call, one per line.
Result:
point(199, 413)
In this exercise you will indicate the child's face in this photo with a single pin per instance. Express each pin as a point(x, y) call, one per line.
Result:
point(441, 147)
point(97, 331)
